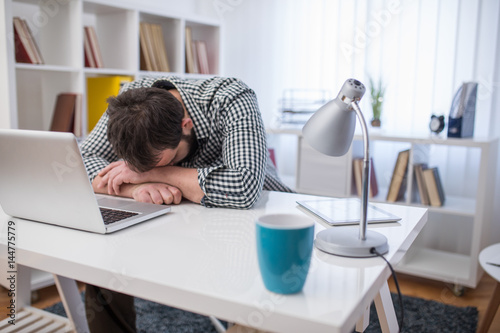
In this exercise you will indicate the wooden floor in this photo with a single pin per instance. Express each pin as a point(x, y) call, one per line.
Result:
point(411, 286)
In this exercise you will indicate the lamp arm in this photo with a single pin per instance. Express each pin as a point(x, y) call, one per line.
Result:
point(366, 172)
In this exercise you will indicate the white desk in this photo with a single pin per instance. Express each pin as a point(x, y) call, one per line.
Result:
point(204, 260)
point(490, 254)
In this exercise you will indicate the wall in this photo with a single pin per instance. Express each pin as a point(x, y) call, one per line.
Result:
point(495, 130)
point(5, 121)
point(423, 51)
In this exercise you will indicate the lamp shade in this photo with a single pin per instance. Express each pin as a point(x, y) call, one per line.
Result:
point(330, 129)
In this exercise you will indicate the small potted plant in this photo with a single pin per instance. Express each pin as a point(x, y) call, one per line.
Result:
point(377, 98)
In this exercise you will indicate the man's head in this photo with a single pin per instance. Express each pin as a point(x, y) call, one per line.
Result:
point(144, 123)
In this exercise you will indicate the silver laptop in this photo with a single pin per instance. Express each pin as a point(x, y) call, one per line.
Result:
point(43, 178)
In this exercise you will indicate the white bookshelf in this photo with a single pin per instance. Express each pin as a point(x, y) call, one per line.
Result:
point(448, 247)
point(58, 31)
point(57, 27)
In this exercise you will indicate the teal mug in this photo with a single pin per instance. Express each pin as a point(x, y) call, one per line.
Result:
point(284, 248)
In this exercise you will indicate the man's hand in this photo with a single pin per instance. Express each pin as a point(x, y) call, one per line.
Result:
point(117, 173)
point(157, 193)
point(118, 179)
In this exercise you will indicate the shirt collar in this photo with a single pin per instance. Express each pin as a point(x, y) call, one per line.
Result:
point(197, 115)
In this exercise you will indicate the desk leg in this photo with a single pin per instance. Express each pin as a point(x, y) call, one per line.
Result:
point(491, 310)
point(23, 293)
point(385, 310)
point(363, 322)
point(72, 301)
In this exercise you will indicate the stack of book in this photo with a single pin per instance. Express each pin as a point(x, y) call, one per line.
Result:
point(357, 168)
point(196, 55)
point(429, 186)
point(25, 46)
point(397, 186)
point(67, 116)
point(93, 56)
point(153, 50)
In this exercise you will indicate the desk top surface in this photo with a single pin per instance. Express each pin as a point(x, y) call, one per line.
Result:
point(204, 260)
point(491, 254)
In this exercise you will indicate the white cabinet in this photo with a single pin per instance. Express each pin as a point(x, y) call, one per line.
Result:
point(448, 247)
point(311, 163)
point(58, 29)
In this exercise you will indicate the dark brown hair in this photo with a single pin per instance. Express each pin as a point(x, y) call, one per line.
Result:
point(143, 122)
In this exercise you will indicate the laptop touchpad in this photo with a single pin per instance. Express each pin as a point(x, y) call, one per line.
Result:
point(112, 202)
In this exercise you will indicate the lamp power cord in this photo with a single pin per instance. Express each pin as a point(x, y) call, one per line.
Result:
point(400, 297)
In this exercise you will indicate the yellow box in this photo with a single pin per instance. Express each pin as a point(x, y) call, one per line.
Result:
point(98, 91)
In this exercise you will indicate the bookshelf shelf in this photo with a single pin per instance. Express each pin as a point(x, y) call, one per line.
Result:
point(456, 205)
point(110, 71)
point(448, 247)
point(57, 28)
point(49, 68)
point(454, 268)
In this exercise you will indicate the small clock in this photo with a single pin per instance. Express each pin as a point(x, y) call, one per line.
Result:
point(437, 124)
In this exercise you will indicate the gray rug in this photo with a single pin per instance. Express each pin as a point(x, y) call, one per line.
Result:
point(420, 316)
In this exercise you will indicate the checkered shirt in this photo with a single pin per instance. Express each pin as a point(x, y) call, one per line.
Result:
point(232, 159)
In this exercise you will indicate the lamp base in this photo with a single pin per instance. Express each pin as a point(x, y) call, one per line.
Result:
point(345, 242)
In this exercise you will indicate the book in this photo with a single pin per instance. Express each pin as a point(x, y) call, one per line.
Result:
point(159, 47)
point(26, 49)
point(32, 42)
point(153, 49)
point(145, 57)
point(195, 62)
point(357, 172)
point(439, 184)
point(78, 123)
point(434, 187)
point(420, 183)
point(89, 57)
point(96, 49)
point(202, 57)
point(98, 91)
point(67, 113)
point(358, 177)
point(153, 57)
point(21, 45)
point(92, 49)
point(189, 51)
point(397, 185)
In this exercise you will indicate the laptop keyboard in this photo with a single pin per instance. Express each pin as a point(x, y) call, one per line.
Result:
point(113, 215)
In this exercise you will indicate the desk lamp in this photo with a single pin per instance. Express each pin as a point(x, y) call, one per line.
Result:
point(330, 131)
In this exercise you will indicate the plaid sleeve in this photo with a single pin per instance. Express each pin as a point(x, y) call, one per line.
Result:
point(236, 180)
point(96, 149)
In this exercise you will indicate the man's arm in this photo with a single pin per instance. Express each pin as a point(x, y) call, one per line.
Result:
point(121, 178)
point(237, 178)
point(157, 193)
point(185, 179)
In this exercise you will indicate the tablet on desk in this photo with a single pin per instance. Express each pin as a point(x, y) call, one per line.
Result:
point(346, 211)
